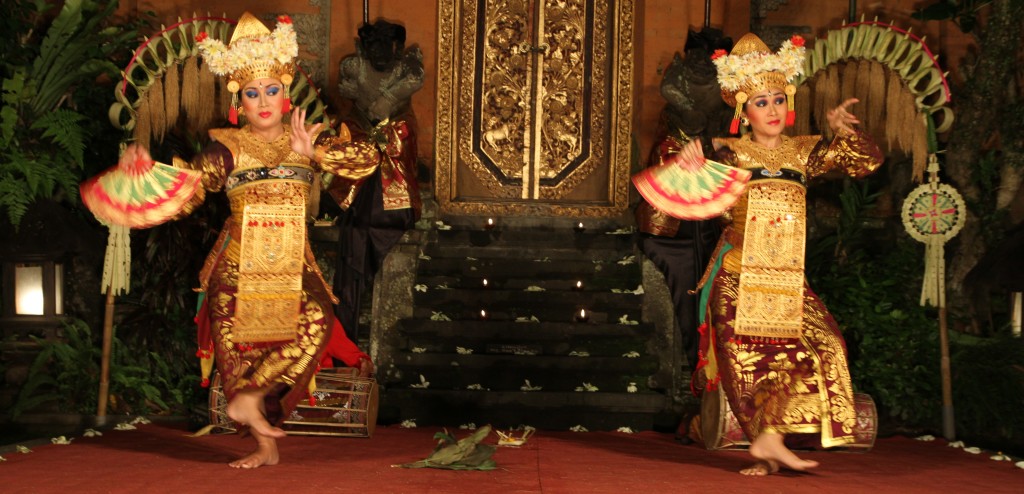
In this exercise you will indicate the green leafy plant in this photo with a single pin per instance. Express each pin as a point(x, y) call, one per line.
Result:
point(43, 128)
point(67, 372)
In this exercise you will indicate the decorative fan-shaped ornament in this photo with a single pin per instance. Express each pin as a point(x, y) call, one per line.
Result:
point(934, 213)
point(691, 194)
point(141, 194)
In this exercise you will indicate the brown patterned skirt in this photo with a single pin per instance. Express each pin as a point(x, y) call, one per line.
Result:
point(284, 370)
point(788, 386)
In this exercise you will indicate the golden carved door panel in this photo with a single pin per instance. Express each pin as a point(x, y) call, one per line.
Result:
point(535, 106)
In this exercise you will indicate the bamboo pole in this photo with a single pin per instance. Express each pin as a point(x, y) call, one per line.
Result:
point(108, 336)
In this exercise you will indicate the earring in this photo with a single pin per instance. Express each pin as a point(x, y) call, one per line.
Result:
point(744, 121)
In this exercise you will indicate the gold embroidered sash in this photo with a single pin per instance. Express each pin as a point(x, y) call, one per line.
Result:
point(270, 272)
point(771, 292)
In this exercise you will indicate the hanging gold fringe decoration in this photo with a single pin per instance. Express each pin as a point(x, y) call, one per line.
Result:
point(190, 90)
point(156, 109)
point(143, 124)
point(172, 95)
point(207, 99)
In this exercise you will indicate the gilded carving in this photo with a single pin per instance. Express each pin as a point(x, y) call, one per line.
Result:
point(533, 99)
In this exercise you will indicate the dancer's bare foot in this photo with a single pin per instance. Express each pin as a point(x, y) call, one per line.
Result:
point(761, 468)
point(265, 453)
point(769, 448)
point(245, 409)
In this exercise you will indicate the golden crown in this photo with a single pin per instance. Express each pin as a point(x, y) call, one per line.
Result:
point(254, 52)
point(752, 67)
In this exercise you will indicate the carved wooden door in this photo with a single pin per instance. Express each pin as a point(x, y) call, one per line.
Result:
point(535, 106)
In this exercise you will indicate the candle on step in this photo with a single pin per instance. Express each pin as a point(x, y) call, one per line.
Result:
point(489, 224)
point(579, 227)
point(486, 284)
point(582, 316)
point(483, 315)
point(578, 287)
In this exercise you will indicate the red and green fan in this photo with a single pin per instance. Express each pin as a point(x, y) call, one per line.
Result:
point(691, 194)
point(140, 194)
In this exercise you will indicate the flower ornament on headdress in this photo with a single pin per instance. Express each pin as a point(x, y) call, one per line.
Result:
point(752, 67)
point(254, 52)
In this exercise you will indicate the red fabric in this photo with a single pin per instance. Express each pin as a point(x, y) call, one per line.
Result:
point(160, 459)
point(342, 348)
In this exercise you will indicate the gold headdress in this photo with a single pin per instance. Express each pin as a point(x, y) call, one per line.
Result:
point(254, 52)
point(752, 67)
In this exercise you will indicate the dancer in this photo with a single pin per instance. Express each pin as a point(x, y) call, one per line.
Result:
point(768, 340)
point(265, 317)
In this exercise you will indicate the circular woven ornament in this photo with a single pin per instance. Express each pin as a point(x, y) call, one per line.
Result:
point(933, 212)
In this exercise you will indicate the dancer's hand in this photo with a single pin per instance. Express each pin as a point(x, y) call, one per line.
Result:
point(690, 157)
point(840, 120)
point(135, 157)
point(302, 140)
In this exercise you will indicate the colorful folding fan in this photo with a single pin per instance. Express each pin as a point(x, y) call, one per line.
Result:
point(140, 194)
point(691, 194)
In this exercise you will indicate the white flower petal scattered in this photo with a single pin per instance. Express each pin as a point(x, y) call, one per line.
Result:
point(424, 257)
point(2, 459)
point(529, 387)
point(578, 428)
point(1000, 457)
point(92, 433)
point(408, 424)
point(418, 349)
point(464, 351)
point(60, 440)
point(439, 316)
point(527, 319)
point(1019, 464)
point(631, 354)
point(454, 363)
point(973, 450)
point(625, 430)
point(442, 226)
point(471, 258)
point(534, 288)
point(468, 426)
point(124, 426)
point(929, 437)
point(953, 444)
point(141, 420)
point(420, 287)
point(442, 286)
point(544, 259)
point(423, 384)
point(627, 260)
point(477, 387)
point(631, 388)
point(22, 449)
point(579, 353)
point(628, 230)
point(625, 320)
point(590, 387)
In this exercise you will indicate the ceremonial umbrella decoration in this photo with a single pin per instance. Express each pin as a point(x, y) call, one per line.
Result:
point(934, 213)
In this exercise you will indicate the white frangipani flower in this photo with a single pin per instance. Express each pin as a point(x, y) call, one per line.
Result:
point(627, 260)
point(22, 449)
point(578, 428)
point(420, 287)
point(124, 426)
point(408, 424)
point(631, 388)
point(631, 354)
point(529, 387)
point(141, 420)
point(60, 440)
point(974, 450)
point(625, 430)
point(423, 384)
point(439, 316)
point(579, 353)
point(468, 426)
point(91, 433)
point(418, 349)
point(464, 351)
point(534, 288)
point(625, 320)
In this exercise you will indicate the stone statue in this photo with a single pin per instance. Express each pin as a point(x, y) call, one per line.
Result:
point(382, 76)
point(690, 87)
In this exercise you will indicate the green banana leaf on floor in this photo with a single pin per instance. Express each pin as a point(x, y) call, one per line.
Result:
point(465, 454)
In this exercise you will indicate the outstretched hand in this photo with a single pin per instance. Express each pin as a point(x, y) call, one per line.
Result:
point(135, 157)
point(690, 157)
point(840, 120)
point(302, 138)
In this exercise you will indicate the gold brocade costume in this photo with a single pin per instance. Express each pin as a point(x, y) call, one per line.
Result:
point(772, 345)
point(267, 314)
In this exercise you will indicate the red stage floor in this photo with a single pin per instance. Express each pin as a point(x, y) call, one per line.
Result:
point(156, 458)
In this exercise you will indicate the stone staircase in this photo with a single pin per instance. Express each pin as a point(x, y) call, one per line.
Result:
point(527, 359)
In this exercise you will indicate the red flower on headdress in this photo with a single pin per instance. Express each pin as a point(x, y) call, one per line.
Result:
point(284, 19)
point(201, 37)
point(797, 40)
point(718, 54)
